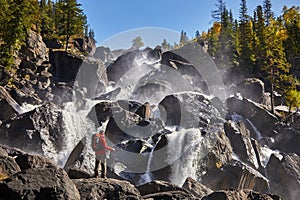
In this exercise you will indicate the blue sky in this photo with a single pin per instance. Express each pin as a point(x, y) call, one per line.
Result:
point(117, 22)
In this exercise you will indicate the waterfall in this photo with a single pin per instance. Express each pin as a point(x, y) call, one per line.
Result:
point(76, 125)
point(257, 133)
point(147, 177)
point(185, 149)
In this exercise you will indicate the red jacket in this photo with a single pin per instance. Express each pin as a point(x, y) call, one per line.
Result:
point(103, 142)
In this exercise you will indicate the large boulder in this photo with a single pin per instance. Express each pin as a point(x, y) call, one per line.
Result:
point(96, 188)
point(240, 195)
point(89, 73)
point(285, 172)
point(6, 111)
point(124, 125)
point(92, 76)
point(163, 190)
point(39, 130)
point(252, 88)
point(9, 106)
point(134, 154)
point(240, 140)
point(131, 63)
point(85, 45)
point(196, 188)
point(284, 139)
point(188, 110)
point(103, 53)
point(160, 82)
point(39, 183)
point(189, 72)
point(53, 43)
point(27, 161)
point(65, 65)
point(204, 73)
point(235, 175)
point(263, 120)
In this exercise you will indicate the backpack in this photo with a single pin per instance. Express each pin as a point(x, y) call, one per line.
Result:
point(98, 143)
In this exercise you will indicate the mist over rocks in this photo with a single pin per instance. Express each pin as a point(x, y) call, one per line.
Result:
point(57, 100)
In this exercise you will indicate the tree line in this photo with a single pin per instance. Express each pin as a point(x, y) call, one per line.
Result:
point(265, 46)
point(261, 44)
point(60, 19)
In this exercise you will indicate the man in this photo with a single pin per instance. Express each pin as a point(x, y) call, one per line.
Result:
point(100, 147)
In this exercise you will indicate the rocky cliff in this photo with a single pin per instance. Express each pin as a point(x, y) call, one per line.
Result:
point(200, 138)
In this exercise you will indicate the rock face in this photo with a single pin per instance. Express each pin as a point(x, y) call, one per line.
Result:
point(181, 133)
point(33, 177)
point(235, 175)
point(285, 139)
point(86, 45)
point(35, 50)
point(240, 194)
point(285, 172)
point(38, 184)
point(103, 53)
point(163, 190)
point(88, 74)
point(125, 121)
point(35, 130)
point(186, 69)
point(125, 63)
point(197, 189)
point(188, 110)
point(66, 66)
point(264, 121)
point(252, 88)
point(8, 166)
point(240, 140)
point(106, 189)
point(53, 44)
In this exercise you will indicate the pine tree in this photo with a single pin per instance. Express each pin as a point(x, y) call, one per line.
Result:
point(47, 19)
point(227, 39)
point(246, 38)
point(259, 28)
point(291, 20)
point(165, 45)
point(91, 35)
point(183, 38)
point(276, 65)
point(214, 42)
point(69, 19)
point(268, 11)
point(217, 14)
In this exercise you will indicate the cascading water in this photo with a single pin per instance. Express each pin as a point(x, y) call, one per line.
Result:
point(76, 125)
point(147, 177)
point(257, 133)
point(184, 149)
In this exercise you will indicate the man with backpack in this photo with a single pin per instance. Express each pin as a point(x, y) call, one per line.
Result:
point(100, 147)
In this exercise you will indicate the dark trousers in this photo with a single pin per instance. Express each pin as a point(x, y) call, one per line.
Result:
point(100, 160)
